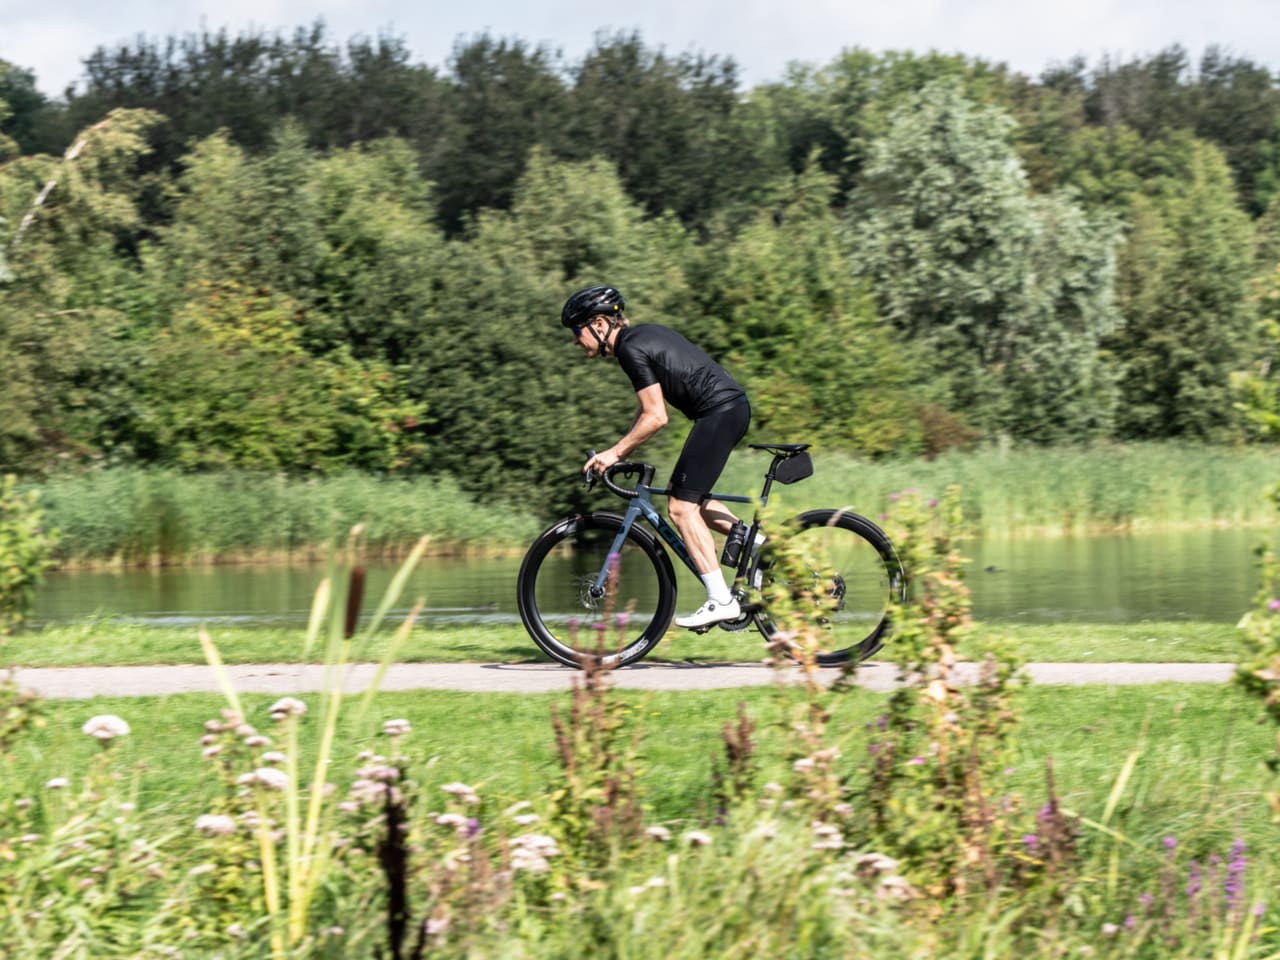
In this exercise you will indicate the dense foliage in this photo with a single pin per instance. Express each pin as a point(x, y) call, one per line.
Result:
point(280, 253)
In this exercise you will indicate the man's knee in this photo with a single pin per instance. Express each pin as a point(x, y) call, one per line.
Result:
point(681, 510)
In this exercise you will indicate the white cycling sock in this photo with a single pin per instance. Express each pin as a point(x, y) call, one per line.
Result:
point(717, 589)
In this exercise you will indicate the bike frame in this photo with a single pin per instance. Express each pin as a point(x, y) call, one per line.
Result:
point(641, 506)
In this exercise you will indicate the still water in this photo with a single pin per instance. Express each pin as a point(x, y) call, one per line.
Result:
point(1198, 575)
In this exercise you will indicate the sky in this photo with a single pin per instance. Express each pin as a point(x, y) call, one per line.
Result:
point(52, 37)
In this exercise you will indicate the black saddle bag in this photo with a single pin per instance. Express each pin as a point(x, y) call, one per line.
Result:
point(794, 468)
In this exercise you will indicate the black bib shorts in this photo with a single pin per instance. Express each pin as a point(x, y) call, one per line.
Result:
point(707, 448)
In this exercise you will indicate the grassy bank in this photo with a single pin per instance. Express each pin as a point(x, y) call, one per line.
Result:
point(111, 643)
point(134, 516)
point(1033, 492)
point(1166, 780)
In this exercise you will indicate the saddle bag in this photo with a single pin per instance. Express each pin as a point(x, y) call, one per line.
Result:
point(794, 468)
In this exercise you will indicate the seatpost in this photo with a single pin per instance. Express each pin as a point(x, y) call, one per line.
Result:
point(768, 478)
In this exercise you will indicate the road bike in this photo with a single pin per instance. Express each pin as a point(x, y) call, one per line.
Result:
point(600, 585)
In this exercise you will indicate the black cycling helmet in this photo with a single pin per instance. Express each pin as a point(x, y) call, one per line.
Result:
point(591, 302)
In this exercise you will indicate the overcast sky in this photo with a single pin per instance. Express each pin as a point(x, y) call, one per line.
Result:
point(51, 37)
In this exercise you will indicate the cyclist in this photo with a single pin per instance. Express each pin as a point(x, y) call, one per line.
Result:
point(664, 368)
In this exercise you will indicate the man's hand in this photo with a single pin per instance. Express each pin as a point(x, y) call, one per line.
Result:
point(601, 461)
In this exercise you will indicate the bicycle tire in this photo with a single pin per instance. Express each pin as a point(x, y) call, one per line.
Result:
point(553, 592)
point(855, 573)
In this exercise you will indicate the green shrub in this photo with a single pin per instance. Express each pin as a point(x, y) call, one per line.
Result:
point(25, 547)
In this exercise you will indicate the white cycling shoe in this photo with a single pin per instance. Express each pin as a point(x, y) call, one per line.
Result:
point(709, 613)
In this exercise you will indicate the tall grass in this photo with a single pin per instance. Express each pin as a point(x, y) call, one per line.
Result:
point(136, 516)
point(1050, 491)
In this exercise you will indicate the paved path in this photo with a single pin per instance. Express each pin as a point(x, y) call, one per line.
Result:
point(83, 682)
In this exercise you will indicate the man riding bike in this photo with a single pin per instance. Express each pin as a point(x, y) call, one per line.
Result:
point(664, 368)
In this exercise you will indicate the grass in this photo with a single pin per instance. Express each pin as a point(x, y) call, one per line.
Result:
point(113, 643)
point(135, 516)
point(1198, 775)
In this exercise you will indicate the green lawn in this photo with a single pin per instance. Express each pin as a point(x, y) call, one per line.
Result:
point(1199, 773)
point(106, 643)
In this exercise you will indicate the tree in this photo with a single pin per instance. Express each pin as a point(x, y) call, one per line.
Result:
point(512, 403)
point(505, 99)
point(987, 280)
point(677, 129)
point(61, 325)
point(1183, 291)
point(803, 336)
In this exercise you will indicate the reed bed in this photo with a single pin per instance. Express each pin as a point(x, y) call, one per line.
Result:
point(1038, 491)
point(134, 516)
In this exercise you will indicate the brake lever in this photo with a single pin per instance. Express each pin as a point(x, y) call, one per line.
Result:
point(589, 477)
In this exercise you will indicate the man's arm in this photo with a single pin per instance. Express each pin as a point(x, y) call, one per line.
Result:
point(651, 417)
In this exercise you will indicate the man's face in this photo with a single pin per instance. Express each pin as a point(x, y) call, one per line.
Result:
point(586, 340)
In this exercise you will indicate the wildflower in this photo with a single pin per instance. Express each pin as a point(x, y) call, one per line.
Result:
point(452, 820)
point(210, 752)
point(916, 762)
point(526, 819)
point(437, 926)
point(530, 851)
point(457, 789)
point(379, 774)
point(248, 730)
point(57, 783)
point(1233, 885)
point(870, 864)
point(772, 788)
point(272, 757)
point(1274, 605)
point(269, 777)
point(105, 727)
point(1030, 840)
point(396, 728)
point(1194, 878)
point(215, 824)
point(803, 765)
point(1110, 929)
point(696, 838)
point(660, 834)
point(257, 740)
point(287, 707)
point(1171, 843)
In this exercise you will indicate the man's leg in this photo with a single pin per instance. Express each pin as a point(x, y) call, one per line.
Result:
point(689, 520)
point(720, 603)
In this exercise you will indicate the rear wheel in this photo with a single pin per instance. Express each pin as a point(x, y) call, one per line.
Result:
point(851, 575)
point(569, 617)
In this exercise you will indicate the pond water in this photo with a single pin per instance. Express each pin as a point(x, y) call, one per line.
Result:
point(1188, 575)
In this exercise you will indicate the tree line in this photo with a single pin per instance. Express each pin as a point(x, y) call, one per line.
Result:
point(280, 253)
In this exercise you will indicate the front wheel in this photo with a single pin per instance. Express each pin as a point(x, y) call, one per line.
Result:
point(567, 610)
point(846, 567)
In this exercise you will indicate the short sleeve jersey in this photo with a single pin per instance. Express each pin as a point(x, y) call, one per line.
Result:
point(691, 381)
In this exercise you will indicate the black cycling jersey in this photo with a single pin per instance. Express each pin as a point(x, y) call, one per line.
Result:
point(691, 381)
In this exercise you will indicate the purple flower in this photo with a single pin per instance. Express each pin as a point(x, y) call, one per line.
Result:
point(1030, 839)
point(1273, 606)
point(1171, 843)
point(882, 724)
point(933, 503)
point(1129, 921)
point(473, 827)
point(1146, 900)
point(916, 762)
point(1194, 878)
point(1258, 909)
point(1233, 884)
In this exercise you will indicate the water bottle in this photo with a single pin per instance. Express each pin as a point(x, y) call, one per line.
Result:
point(733, 545)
